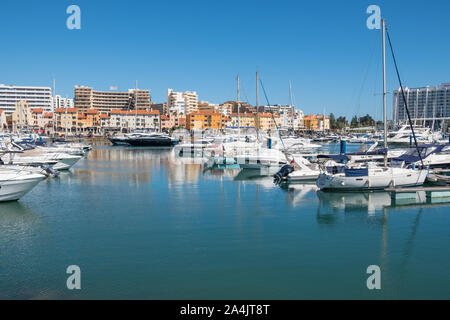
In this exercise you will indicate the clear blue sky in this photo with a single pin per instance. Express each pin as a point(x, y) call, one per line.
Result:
point(324, 47)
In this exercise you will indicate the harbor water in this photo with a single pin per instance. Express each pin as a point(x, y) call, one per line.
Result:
point(142, 224)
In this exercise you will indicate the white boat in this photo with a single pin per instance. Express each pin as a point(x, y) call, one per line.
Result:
point(14, 184)
point(371, 177)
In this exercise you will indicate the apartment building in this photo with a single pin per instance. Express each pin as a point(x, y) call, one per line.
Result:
point(132, 120)
point(22, 115)
point(182, 102)
point(60, 102)
point(105, 101)
point(36, 97)
point(427, 106)
point(202, 120)
point(242, 120)
point(3, 122)
point(266, 121)
point(66, 118)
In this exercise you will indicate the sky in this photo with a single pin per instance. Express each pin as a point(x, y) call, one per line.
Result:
point(323, 47)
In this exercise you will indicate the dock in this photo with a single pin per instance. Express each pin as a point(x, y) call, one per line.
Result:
point(420, 194)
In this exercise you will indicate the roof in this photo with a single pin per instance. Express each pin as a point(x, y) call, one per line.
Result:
point(104, 116)
point(243, 115)
point(133, 112)
point(69, 110)
point(37, 110)
point(1, 111)
point(48, 115)
point(92, 111)
point(164, 117)
point(310, 117)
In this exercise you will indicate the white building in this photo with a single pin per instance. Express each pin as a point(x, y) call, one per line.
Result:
point(3, 123)
point(121, 119)
point(289, 116)
point(182, 102)
point(428, 106)
point(36, 97)
point(58, 102)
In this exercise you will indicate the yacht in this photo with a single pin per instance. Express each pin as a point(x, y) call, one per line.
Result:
point(15, 183)
point(144, 140)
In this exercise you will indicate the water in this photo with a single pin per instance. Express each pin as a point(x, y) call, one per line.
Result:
point(143, 226)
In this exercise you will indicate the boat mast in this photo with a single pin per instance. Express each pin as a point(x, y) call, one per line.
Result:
point(66, 105)
point(238, 97)
point(292, 105)
point(136, 105)
point(257, 111)
point(383, 22)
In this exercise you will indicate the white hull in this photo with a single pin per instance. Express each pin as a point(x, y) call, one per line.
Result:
point(14, 189)
point(377, 179)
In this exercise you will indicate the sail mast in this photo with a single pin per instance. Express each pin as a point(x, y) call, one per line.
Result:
point(384, 89)
point(292, 105)
point(257, 111)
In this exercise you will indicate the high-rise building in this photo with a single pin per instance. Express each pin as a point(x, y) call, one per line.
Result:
point(182, 102)
point(36, 97)
point(59, 102)
point(427, 106)
point(105, 101)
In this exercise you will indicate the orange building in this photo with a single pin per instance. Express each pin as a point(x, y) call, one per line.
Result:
point(310, 122)
point(201, 120)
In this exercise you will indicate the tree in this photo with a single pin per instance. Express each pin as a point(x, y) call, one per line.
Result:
point(332, 121)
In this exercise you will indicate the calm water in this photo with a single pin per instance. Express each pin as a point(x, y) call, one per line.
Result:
point(142, 225)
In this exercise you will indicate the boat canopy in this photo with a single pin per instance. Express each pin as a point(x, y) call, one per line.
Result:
point(359, 172)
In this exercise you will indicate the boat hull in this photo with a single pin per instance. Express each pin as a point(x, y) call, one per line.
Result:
point(13, 190)
point(151, 142)
point(344, 183)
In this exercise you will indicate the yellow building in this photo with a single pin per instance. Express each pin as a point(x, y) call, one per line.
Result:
point(22, 115)
point(310, 122)
point(266, 121)
point(66, 117)
point(201, 120)
point(89, 120)
point(243, 120)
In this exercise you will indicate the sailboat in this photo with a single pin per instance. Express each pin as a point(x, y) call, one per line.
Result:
point(370, 176)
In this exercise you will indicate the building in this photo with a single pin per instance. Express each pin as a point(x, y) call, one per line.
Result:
point(310, 122)
point(58, 102)
point(36, 97)
point(66, 118)
point(132, 120)
point(182, 102)
point(161, 107)
point(323, 122)
point(266, 121)
point(243, 120)
point(22, 116)
point(167, 122)
point(38, 118)
point(105, 101)
point(428, 106)
point(89, 121)
point(202, 120)
point(3, 122)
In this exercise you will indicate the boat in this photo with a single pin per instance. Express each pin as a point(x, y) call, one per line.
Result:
point(14, 183)
point(145, 140)
point(370, 176)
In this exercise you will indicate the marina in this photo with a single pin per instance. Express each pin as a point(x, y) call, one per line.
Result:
point(224, 159)
point(141, 223)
